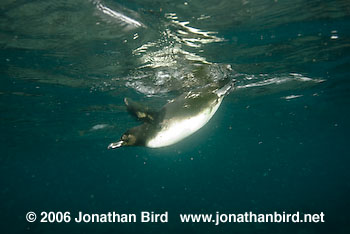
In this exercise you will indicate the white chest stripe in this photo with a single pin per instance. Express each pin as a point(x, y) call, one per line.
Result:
point(178, 130)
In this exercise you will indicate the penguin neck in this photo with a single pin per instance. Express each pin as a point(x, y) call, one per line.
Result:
point(143, 133)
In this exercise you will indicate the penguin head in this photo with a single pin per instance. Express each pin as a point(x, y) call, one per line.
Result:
point(132, 137)
point(126, 140)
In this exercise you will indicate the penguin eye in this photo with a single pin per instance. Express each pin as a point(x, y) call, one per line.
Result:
point(124, 137)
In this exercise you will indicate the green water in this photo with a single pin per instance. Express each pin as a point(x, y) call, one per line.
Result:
point(277, 143)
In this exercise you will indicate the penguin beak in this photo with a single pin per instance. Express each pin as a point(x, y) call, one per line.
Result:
point(115, 145)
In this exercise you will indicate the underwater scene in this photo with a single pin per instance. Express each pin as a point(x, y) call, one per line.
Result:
point(149, 116)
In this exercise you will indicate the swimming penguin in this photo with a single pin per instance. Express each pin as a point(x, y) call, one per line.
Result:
point(178, 119)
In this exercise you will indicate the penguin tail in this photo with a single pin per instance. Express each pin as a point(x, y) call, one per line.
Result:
point(226, 89)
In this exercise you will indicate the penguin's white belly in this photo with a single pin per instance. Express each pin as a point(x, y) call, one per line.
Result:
point(174, 130)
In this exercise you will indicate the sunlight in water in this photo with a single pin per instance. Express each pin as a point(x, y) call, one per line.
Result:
point(196, 36)
point(168, 50)
point(123, 19)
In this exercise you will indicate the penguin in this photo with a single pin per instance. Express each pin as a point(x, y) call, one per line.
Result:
point(178, 119)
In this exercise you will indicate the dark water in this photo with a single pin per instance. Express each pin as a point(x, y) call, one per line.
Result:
point(279, 142)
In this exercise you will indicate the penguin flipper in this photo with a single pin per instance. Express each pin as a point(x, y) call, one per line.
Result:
point(140, 111)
